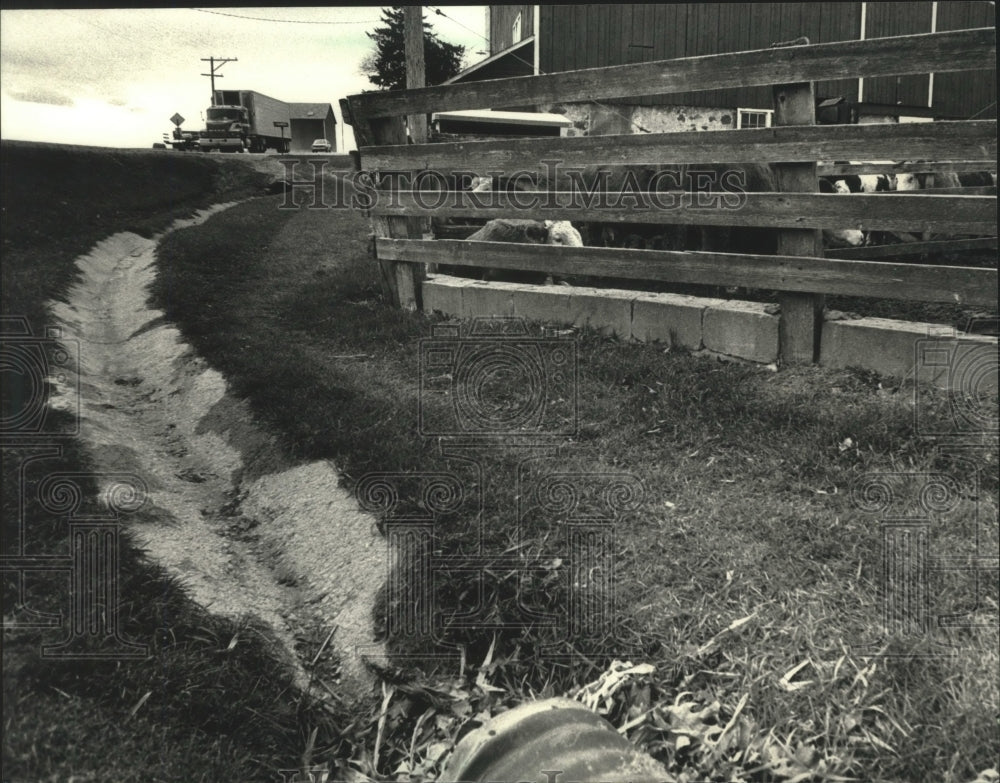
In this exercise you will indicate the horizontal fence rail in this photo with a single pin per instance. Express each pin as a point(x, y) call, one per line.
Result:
point(964, 285)
point(563, 172)
point(934, 166)
point(973, 190)
point(959, 50)
point(862, 211)
point(971, 140)
point(914, 248)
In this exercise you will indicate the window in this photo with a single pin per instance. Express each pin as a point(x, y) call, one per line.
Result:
point(754, 118)
point(515, 34)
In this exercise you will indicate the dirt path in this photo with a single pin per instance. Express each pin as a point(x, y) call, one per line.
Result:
point(290, 547)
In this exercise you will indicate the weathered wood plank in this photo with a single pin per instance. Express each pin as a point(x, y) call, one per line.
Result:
point(400, 282)
point(918, 167)
point(914, 248)
point(933, 52)
point(971, 140)
point(413, 21)
point(801, 318)
point(972, 190)
point(911, 282)
point(862, 211)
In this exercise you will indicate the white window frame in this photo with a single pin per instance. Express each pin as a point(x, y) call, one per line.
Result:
point(768, 116)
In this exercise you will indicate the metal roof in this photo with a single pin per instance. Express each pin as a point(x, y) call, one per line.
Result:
point(505, 117)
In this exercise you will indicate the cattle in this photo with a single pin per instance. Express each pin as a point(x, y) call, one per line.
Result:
point(548, 232)
point(855, 183)
point(867, 183)
point(909, 181)
point(969, 179)
point(533, 232)
point(666, 189)
point(846, 237)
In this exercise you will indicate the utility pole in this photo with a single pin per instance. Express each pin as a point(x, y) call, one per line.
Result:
point(214, 64)
point(413, 21)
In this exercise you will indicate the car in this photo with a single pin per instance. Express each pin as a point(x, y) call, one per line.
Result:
point(321, 145)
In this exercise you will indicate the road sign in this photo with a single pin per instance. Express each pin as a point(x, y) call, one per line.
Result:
point(280, 124)
point(177, 119)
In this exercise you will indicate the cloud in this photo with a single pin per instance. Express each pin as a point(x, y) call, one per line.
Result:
point(49, 97)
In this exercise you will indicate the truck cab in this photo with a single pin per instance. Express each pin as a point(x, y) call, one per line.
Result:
point(226, 128)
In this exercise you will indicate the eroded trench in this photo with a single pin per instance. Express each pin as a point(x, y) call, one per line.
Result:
point(288, 546)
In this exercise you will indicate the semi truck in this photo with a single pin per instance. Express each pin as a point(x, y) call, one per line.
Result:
point(241, 120)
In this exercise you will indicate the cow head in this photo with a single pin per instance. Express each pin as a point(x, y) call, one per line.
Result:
point(562, 232)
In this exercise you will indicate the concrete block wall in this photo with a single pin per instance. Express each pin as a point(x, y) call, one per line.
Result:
point(903, 349)
point(744, 330)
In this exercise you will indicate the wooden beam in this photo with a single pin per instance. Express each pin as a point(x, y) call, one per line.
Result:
point(801, 314)
point(400, 281)
point(909, 282)
point(972, 190)
point(972, 140)
point(413, 18)
point(363, 136)
point(862, 211)
point(959, 50)
point(901, 250)
point(919, 167)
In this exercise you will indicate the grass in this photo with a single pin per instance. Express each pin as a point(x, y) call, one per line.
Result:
point(210, 703)
point(747, 575)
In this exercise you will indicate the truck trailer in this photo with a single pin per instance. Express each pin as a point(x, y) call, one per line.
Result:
point(244, 120)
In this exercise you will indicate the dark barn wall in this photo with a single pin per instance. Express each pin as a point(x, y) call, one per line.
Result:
point(962, 95)
point(888, 19)
point(589, 36)
point(502, 22)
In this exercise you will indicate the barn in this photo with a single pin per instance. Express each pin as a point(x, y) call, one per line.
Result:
point(311, 121)
point(531, 39)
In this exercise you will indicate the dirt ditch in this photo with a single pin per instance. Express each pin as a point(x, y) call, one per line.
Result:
point(246, 533)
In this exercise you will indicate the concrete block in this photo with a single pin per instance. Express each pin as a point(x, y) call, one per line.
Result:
point(443, 294)
point(544, 303)
point(670, 318)
point(604, 309)
point(482, 298)
point(742, 329)
point(927, 353)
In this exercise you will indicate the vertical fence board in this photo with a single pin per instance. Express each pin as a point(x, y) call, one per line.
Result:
point(801, 314)
point(401, 280)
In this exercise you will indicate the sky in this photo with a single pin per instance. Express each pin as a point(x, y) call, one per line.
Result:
point(114, 77)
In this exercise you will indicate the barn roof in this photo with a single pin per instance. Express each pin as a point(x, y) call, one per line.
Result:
point(310, 111)
point(512, 61)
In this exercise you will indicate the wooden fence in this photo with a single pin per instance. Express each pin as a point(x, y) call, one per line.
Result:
point(795, 147)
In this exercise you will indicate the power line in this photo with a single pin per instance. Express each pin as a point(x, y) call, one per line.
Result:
point(287, 21)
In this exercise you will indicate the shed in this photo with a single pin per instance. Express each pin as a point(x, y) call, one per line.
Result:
point(311, 121)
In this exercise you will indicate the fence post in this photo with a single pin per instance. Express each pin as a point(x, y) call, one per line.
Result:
point(400, 279)
point(801, 314)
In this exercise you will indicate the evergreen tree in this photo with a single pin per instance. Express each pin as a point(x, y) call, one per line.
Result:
point(386, 66)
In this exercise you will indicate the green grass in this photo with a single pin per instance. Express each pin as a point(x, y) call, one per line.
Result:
point(747, 514)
